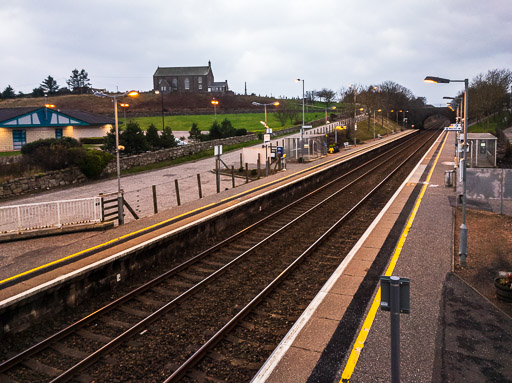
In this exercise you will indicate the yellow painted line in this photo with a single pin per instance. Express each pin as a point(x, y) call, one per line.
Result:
point(35, 269)
point(367, 324)
point(56, 262)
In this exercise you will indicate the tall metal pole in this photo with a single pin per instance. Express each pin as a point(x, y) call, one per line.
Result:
point(162, 100)
point(395, 328)
point(120, 212)
point(355, 120)
point(463, 237)
point(265, 114)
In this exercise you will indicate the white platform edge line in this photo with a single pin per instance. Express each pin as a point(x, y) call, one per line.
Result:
point(266, 370)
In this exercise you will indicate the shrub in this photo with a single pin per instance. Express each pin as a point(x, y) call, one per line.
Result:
point(91, 162)
point(133, 139)
point(92, 140)
point(50, 153)
point(241, 132)
point(167, 140)
point(152, 137)
point(195, 133)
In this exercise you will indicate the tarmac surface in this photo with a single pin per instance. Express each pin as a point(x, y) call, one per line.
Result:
point(452, 333)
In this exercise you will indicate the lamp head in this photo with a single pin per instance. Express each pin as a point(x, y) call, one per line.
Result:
point(132, 93)
point(276, 103)
point(436, 80)
point(255, 103)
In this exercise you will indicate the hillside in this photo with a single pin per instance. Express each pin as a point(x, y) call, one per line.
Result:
point(146, 104)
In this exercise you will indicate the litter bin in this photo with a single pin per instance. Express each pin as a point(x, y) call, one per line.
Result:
point(449, 177)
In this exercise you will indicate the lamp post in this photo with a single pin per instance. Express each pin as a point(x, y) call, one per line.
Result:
point(302, 127)
point(215, 103)
point(124, 106)
point(355, 117)
point(463, 237)
point(162, 109)
point(132, 93)
point(276, 103)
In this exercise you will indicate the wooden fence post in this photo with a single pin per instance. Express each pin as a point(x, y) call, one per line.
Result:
point(199, 186)
point(155, 203)
point(177, 192)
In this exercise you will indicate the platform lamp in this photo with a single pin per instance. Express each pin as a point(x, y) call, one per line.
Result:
point(302, 127)
point(102, 94)
point(124, 105)
point(276, 103)
point(463, 237)
point(215, 103)
point(162, 109)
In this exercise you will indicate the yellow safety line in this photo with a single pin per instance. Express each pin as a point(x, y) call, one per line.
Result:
point(162, 222)
point(96, 247)
point(367, 324)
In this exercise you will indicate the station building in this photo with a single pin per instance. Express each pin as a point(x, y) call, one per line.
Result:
point(19, 126)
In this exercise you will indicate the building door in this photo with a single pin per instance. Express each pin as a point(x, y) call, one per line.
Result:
point(19, 138)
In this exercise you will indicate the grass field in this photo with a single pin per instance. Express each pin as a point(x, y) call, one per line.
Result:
point(249, 121)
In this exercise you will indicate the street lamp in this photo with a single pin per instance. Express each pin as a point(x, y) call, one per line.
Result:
point(379, 110)
point(162, 102)
point(302, 127)
point(132, 93)
point(463, 237)
point(124, 106)
point(276, 103)
point(355, 117)
point(215, 103)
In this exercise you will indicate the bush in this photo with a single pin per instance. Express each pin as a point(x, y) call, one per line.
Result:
point(133, 139)
point(91, 162)
point(241, 132)
point(167, 140)
point(194, 132)
point(152, 137)
point(92, 140)
point(50, 153)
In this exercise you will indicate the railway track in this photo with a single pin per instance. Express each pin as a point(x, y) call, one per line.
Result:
point(201, 319)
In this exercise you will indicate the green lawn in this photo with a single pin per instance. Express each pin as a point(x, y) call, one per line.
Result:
point(249, 121)
point(6, 154)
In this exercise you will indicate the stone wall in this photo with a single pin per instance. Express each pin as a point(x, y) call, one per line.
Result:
point(44, 181)
point(173, 153)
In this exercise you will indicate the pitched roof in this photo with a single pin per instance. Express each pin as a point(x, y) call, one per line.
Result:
point(183, 71)
point(7, 114)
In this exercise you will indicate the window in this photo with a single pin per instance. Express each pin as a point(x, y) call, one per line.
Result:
point(175, 83)
point(58, 133)
point(200, 83)
point(19, 138)
point(187, 83)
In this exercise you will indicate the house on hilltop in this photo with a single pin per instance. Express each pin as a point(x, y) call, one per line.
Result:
point(187, 79)
point(19, 126)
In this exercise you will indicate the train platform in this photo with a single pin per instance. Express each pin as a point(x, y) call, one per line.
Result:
point(452, 333)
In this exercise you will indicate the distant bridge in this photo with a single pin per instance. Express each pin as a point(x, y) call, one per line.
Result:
point(418, 116)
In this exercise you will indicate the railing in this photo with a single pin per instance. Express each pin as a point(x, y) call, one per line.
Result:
point(45, 215)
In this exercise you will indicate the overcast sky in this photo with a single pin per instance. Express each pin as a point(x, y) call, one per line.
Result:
point(267, 44)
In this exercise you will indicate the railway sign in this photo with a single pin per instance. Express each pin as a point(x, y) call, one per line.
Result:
point(453, 128)
point(307, 126)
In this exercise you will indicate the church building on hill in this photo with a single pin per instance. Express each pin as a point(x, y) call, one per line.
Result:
point(196, 79)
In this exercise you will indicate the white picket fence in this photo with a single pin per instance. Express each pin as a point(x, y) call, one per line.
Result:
point(34, 216)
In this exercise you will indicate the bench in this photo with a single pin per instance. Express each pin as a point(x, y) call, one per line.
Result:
point(347, 145)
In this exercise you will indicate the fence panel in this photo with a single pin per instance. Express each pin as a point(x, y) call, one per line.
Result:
point(49, 214)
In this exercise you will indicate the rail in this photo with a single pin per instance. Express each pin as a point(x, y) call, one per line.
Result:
point(44, 215)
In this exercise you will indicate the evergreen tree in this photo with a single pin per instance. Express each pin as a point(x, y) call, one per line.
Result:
point(49, 85)
point(79, 81)
point(195, 133)
point(152, 137)
point(8, 92)
point(38, 92)
point(215, 131)
point(133, 139)
point(167, 140)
